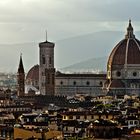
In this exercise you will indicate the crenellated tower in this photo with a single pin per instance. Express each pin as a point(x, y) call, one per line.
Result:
point(46, 68)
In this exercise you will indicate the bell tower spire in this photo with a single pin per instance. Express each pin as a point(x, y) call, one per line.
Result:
point(21, 68)
point(46, 35)
point(21, 78)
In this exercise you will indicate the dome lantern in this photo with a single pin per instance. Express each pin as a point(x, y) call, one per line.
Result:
point(129, 33)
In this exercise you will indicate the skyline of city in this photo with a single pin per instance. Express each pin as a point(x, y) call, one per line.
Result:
point(69, 70)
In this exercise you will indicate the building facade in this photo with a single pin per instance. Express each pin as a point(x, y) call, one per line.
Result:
point(71, 84)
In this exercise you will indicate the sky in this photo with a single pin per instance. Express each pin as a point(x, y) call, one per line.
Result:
point(28, 20)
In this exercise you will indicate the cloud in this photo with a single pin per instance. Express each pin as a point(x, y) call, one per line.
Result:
point(27, 20)
point(68, 10)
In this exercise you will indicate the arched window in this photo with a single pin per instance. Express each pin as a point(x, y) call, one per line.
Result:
point(61, 83)
point(74, 83)
point(50, 60)
point(88, 83)
point(53, 79)
point(43, 59)
point(101, 83)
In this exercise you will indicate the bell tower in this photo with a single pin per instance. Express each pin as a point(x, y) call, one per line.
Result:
point(46, 68)
point(21, 78)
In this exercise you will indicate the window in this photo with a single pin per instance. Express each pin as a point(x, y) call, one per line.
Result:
point(134, 74)
point(109, 73)
point(71, 117)
point(133, 85)
point(48, 78)
point(50, 60)
point(42, 84)
point(88, 83)
point(131, 122)
point(101, 83)
point(118, 73)
point(74, 83)
point(53, 79)
point(66, 128)
point(43, 59)
point(78, 117)
point(136, 122)
point(85, 117)
point(61, 83)
point(42, 73)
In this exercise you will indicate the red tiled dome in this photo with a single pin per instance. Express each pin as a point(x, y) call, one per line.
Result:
point(126, 51)
point(33, 73)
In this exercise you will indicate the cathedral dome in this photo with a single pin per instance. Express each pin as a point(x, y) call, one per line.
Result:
point(127, 51)
point(33, 73)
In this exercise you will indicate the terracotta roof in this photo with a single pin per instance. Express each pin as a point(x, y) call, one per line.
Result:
point(102, 122)
point(127, 51)
point(132, 118)
point(70, 123)
point(81, 75)
point(33, 73)
point(80, 113)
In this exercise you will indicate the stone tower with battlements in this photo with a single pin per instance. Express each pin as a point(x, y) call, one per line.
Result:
point(46, 68)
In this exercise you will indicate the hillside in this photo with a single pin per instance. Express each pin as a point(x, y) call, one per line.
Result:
point(89, 49)
point(91, 65)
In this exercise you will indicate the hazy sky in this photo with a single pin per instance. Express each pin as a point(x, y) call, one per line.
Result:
point(27, 20)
